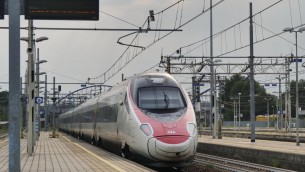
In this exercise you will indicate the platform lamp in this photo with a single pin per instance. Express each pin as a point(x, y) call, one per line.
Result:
point(291, 30)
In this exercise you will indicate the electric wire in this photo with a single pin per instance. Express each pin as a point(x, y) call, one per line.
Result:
point(262, 25)
point(181, 14)
point(290, 13)
point(256, 24)
point(234, 25)
point(105, 74)
point(119, 19)
point(65, 76)
point(300, 12)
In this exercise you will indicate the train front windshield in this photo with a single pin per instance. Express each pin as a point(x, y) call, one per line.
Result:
point(160, 98)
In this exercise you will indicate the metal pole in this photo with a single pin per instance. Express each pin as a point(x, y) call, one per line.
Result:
point(46, 117)
point(286, 96)
point(53, 109)
point(277, 113)
point(297, 90)
point(215, 110)
point(268, 111)
point(280, 102)
point(212, 82)
point(193, 90)
point(14, 86)
point(168, 70)
point(289, 98)
point(252, 86)
point(30, 91)
point(37, 117)
point(219, 115)
point(238, 111)
point(21, 112)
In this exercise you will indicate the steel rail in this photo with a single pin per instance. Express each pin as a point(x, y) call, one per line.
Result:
point(234, 165)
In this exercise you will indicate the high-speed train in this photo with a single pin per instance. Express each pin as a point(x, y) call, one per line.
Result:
point(147, 117)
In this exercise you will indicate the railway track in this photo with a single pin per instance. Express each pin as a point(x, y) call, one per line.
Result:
point(226, 164)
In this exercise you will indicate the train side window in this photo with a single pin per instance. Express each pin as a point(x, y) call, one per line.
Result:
point(126, 103)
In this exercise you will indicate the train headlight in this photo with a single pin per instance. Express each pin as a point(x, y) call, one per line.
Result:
point(147, 130)
point(191, 128)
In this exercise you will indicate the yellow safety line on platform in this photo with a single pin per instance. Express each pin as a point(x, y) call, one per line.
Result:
point(98, 157)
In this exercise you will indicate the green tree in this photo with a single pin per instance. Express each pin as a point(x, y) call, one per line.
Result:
point(239, 84)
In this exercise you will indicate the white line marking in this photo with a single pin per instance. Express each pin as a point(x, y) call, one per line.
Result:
point(96, 156)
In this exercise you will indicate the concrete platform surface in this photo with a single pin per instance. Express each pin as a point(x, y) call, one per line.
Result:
point(278, 146)
point(65, 154)
point(272, 153)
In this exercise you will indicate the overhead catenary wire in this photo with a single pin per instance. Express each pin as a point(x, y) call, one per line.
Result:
point(176, 15)
point(181, 14)
point(238, 24)
point(64, 75)
point(128, 46)
point(291, 20)
point(256, 24)
point(262, 25)
point(108, 75)
point(300, 12)
point(119, 19)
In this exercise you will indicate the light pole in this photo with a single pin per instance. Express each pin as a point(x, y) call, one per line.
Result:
point(234, 111)
point(46, 108)
point(212, 79)
point(296, 78)
point(268, 110)
point(31, 86)
point(239, 111)
point(30, 89)
point(38, 73)
point(38, 62)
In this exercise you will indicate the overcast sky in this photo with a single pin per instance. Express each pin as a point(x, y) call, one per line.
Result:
point(73, 56)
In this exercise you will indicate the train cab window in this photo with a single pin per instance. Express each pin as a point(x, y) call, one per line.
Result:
point(160, 98)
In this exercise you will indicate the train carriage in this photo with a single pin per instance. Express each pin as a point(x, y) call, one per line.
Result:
point(147, 117)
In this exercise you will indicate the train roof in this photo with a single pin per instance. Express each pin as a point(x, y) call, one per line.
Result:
point(155, 78)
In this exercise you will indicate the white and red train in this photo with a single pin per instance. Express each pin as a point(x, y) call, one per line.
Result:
point(148, 117)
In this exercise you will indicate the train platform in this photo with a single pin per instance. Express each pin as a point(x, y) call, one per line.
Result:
point(261, 133)
point(66, 153)
point(272, 153)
